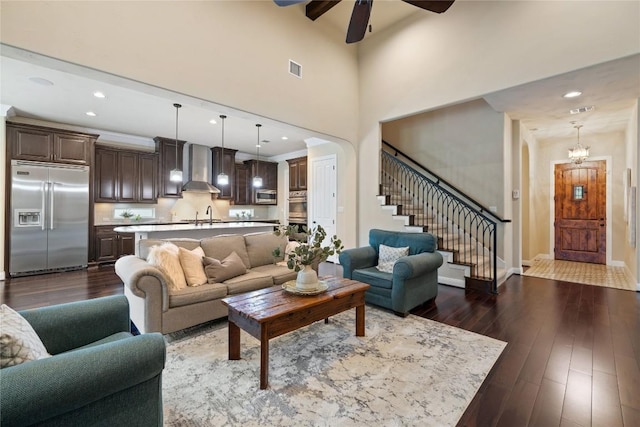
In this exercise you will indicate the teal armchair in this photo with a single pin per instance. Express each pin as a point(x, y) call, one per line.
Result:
point(99, 373)
point(414, 280)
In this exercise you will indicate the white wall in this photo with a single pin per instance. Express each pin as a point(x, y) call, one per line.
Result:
point(462, 144)
point(432, 61)
point(228, 52)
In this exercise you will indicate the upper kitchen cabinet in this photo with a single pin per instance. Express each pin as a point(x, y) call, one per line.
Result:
point(166, 147)
point(125, 176)
point(241, 195)
point(267, 170)
point(226, 160)
point(43, 144)
point(297, 174)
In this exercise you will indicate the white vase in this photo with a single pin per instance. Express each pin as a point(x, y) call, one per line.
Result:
point(307, 279)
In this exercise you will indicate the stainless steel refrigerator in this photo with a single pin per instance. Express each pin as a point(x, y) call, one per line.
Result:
point(49, 217)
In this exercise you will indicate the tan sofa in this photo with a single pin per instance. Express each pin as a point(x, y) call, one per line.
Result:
point(155, 307)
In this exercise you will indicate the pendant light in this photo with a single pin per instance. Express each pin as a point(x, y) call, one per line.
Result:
point(223, 178)
point(578, 153)
point(176, 174)
point(257, 180)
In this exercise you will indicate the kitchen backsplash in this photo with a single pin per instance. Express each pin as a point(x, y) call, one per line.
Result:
point(174, 210)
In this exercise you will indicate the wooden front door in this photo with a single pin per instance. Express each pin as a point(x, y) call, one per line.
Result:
point(580, 212)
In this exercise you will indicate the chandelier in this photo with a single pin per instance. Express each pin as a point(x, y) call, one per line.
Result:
point(578, 153)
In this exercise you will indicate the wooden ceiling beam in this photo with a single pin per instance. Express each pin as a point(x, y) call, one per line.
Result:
point(316, 8)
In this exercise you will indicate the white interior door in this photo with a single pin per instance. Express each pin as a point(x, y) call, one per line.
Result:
point(322, 196)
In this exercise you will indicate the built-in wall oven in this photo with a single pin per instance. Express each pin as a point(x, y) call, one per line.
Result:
point(297, 207)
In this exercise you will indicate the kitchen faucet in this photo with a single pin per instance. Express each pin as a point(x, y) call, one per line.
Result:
point(210, 212)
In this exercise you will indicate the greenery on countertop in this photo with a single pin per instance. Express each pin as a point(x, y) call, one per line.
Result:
point(126, 214)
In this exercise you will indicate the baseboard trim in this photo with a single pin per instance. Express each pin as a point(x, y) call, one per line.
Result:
point(2, 277)
point(451, 282)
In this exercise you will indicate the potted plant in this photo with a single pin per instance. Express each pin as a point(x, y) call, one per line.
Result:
point(310, 252)
point(126, 214)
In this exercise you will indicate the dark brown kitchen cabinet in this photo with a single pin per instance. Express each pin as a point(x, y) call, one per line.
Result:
point(148, 178)
point(106, 176)
point(125, 176)
point(269, 173)
point(109, 245)
point(297, 174)
point(267, 170)
point(242, 183)
point(228, 165)
point(167, 149)
point(43, 144)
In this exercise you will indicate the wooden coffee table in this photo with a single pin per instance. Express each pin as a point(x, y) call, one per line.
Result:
point(271, 312)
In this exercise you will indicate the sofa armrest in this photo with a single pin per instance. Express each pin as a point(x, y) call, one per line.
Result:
point(352, 259)
point(132, 269)
point(66, 326)
point(416, 265)
point(41, 389)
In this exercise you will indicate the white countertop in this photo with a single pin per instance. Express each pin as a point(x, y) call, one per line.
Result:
point(182, 227)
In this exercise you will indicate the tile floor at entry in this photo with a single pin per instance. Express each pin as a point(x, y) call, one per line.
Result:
point(580, 272)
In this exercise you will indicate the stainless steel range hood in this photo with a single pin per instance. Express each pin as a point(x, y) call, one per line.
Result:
point(198, 170)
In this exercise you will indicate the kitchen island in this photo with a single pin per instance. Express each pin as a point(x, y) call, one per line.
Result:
point(192, 231)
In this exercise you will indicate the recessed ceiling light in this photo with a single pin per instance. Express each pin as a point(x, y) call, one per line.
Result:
point(285, 138)
point(213, 121)
point(258, 145)
point(99, 94)
point(90, 113)
point(41, 81)
point(572, 94)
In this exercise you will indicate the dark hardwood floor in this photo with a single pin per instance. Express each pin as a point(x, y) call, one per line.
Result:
point(572, 357)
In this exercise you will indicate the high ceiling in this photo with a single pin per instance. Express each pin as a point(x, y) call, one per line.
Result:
point(138, 110)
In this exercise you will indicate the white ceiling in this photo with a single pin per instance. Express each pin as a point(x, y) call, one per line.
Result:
point(134, 109)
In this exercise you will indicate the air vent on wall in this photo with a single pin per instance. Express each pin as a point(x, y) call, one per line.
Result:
point(295, 69)
point(581, 110)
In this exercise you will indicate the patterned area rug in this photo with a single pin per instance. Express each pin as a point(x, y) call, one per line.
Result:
point(404, 372)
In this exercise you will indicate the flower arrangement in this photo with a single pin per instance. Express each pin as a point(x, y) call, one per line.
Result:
point(310, 251)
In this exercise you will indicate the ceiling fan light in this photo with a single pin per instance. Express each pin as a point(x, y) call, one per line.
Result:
point(222, 179)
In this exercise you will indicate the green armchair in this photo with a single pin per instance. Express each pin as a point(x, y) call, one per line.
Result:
point(99, 373)
point(414, 280)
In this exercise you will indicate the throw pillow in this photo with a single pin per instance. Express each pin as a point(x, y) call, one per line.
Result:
point(166, 259)
point(291, 246)
point(18, 341)
point(388, 256)
point(191, 262)
point(218, 271)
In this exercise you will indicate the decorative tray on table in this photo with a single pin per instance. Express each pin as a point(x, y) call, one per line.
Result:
point(290, 287)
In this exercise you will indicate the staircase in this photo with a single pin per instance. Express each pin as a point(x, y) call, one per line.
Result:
point(466, 232)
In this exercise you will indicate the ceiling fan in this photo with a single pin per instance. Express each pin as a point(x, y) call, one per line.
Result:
point(361, 12)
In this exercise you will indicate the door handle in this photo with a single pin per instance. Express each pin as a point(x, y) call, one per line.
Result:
point(52, 188)
point(43, 212)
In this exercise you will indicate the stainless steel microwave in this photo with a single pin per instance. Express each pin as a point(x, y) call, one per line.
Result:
point(266, 197)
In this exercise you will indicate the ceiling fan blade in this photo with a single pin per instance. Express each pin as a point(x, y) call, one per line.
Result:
point(316, 8)
point(287, 2)
point(437, 6)
point(359, 20)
